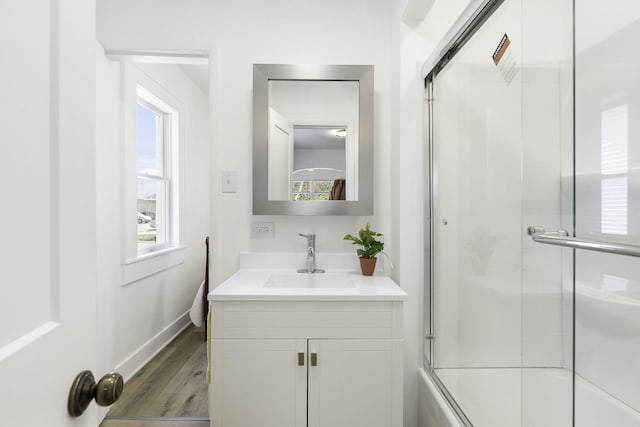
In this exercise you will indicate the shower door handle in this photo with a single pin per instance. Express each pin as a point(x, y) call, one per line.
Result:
point(562, 238)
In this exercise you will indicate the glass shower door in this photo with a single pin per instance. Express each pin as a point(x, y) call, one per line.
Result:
point(501, 154)
point(477, 221)
point(547, 201)
point(607, 286)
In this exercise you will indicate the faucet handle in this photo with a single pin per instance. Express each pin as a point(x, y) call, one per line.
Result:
point(308, 236)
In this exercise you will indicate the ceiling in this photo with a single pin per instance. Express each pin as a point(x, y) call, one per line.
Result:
point(318, 138)
point(199, 74)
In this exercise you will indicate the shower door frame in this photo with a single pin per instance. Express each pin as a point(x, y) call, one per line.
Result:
point(459, 39)
point(436, 64)
point(428, 337)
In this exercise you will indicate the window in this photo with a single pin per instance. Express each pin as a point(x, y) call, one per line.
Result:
point(312, 190)
point(152, 117)
point(614, 167)
point(156, 139)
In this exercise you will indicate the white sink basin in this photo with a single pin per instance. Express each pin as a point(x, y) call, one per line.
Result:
point(308, 281)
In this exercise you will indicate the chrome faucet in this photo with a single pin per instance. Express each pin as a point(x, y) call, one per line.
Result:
point(311, 255)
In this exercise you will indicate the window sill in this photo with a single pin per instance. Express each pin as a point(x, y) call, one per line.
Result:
point(152, 263)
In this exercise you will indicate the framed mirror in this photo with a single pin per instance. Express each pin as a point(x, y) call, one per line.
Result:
point(312, 139)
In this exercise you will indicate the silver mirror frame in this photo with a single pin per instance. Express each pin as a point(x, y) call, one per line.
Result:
point(262, 73)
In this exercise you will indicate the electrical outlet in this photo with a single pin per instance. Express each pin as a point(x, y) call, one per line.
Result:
point(262, 229)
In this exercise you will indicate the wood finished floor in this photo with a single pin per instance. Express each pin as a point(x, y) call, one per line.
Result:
point(171, 390)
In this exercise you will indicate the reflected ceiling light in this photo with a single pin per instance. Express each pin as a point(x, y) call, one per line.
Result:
point(341, 133)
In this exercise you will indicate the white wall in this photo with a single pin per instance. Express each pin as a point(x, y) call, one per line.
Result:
point(136, 319)
point(286, 31)
point(607, 318)
point(238, 34)
point(319, 158)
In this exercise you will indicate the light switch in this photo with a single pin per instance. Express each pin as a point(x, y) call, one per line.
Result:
point(229, 182)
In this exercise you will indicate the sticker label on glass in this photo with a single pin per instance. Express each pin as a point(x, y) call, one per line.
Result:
point(505, 59)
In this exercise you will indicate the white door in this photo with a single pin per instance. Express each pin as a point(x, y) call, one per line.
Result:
point(352, 383)
point(280, 156)
point(47, 216)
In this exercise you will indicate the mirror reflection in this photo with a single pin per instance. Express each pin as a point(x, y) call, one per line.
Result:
point(319, 163)
point(313, 140)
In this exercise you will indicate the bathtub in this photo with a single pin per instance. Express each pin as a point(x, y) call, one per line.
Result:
point(494, 398)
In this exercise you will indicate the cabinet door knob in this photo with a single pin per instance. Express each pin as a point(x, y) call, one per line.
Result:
point(300, 359)
point(314, 359)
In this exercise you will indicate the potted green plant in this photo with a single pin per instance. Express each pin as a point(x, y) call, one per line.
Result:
point(371, 245)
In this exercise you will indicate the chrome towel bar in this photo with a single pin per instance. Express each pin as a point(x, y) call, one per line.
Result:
point(562, 238)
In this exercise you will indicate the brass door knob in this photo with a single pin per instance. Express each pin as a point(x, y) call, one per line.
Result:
point(84, 389)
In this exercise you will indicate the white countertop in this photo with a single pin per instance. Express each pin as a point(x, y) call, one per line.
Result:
point(254, 281)
point(249, 284)
point(272, 276)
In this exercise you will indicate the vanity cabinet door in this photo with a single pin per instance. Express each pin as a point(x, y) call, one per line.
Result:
point(354, 383)
point(259, 383)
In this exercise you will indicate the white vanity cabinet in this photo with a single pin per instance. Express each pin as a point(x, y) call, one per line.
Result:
point(306, 363)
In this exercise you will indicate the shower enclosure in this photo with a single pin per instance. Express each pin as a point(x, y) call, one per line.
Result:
point(532, 136)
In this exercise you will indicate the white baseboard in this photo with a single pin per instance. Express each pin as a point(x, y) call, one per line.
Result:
point(136, 360)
